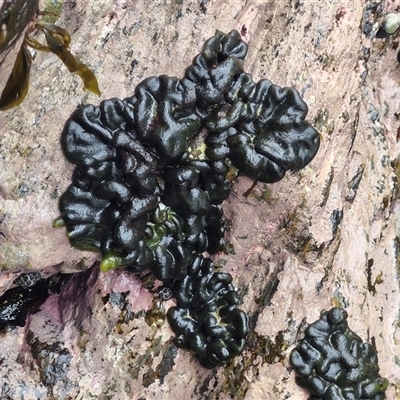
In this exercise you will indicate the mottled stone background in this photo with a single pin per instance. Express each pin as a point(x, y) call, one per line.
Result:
point(328, 235)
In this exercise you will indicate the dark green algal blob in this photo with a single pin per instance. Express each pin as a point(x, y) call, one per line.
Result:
point(333, 363)
point(151, 174)
point(206, 319)
point(131, 154)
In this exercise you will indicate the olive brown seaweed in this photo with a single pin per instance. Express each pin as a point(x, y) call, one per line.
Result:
point(151, 174)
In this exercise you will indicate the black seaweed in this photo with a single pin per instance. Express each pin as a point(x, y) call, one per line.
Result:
point(18, 302)
point(151, 174)
point(333, 363)
point(206, 319)
point(133, 155)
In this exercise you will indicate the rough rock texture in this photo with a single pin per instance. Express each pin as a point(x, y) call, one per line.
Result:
point(326, 236)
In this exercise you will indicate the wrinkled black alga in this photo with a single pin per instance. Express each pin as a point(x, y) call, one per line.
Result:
point(151, 174)
point(333, 363)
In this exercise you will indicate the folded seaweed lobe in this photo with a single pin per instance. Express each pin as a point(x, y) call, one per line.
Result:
point(151, 175)
point(333, 363)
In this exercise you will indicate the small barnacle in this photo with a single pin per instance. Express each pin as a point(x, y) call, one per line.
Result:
point(28, 280)
point(164, 293)
point(389, 26)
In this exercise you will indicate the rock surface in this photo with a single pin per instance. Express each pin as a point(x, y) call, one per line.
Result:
point(326, 236)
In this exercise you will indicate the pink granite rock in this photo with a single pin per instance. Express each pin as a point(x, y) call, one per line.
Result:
point(325, 236)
